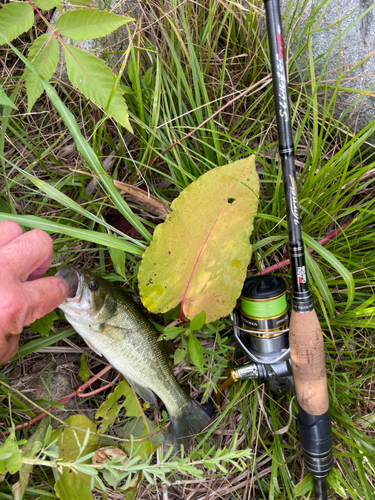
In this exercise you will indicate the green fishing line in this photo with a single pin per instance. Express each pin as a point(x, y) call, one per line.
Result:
point(265, 308)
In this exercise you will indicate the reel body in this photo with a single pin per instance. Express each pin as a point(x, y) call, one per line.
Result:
point(261, 329)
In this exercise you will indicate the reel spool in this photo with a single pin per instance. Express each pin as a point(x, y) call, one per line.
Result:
point(264, 315)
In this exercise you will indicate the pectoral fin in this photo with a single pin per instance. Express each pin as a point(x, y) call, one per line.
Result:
point(93, 348)
point(144, 392)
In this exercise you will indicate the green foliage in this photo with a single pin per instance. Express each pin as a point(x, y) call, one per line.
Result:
point(207, 225)
point(96, 81)
point(15, 19)
point(118, 258)
point(139, 427)
point(87, 72)
point(89, 24)
point(5, 101)
point(198, 322)
point(44, 55)
point(84, 373)
point(304, 486)
point(47, 4)
point(207, 74)
point(179, 355)
point(10, 455)
point(30, 449)
point(110, 409)
point(43, 325)
point(74, 444)
point(196, 351)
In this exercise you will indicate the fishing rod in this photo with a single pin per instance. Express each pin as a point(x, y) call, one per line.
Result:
point(305, 334)
point(287, 352)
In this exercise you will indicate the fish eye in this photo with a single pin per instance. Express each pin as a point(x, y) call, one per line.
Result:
point(93, 286)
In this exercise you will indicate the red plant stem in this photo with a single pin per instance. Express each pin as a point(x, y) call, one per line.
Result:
point(35, 8)
point(86, 394)
point(78, 392)
point(323, 241)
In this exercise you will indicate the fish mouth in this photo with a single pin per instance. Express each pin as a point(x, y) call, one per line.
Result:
point(74, 281)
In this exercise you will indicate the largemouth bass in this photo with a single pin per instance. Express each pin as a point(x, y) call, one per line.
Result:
point(113, 326)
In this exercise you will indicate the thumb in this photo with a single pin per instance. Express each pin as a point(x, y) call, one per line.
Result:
point(44, 295)
point(8, 347)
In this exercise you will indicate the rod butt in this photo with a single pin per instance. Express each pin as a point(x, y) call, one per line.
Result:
point(320, 489)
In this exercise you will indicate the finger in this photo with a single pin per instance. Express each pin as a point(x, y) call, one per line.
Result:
point(8, 347)
point(28, 253)
point(44, 295)
point(39, 273)
point(9, 231)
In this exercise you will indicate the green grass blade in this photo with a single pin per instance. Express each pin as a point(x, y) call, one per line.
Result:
point(334, 262)
point(42, 342)
point(65, 201)
point(103, 239)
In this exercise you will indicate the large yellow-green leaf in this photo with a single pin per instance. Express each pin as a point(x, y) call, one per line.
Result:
point(96, 81)
point(15, 19)
point(91, 23)
point(44, 55)
point(70, 485)
point(199, 255)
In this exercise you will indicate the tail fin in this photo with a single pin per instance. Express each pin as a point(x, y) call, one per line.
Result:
point(189, 421)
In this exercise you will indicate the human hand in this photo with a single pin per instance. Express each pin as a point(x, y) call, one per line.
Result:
point(24, 295)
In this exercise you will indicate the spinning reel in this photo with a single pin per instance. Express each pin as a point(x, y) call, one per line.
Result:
point(261, 329)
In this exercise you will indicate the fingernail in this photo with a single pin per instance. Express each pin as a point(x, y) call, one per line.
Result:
point(63, 285)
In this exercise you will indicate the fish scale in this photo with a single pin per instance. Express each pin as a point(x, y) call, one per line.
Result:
point(113, 326)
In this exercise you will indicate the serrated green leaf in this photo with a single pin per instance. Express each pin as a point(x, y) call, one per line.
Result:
point(44, 55)
point(15, 19)
point(196, 351)
point(80, 3)
point(44, 325)
point(4, 99)
point(179, 356)
point(13, 462)
point(199, 255)
point(83, 371)
point(198, 321)
point(92, 23)
point(96, 81)
point(46, 4)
